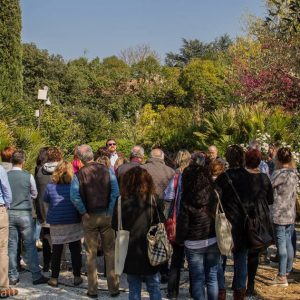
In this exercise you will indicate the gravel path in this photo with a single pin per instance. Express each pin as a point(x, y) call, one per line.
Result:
point(66, 290)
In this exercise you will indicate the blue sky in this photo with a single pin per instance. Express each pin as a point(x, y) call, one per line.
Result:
point(105, 27)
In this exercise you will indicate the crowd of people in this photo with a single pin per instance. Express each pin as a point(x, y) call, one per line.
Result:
point(74, 204)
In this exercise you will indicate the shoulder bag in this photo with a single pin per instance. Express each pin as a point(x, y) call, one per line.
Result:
point(159, 248)
point(121, 245)
point(258, 236)
point(223, 229)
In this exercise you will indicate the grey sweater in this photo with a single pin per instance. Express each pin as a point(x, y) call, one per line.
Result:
point(284, 182)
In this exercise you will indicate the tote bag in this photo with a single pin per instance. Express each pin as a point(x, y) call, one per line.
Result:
point(121, 245)
point(223, 229)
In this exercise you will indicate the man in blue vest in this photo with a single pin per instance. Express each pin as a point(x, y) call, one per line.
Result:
point(93, 191)
point(23, 189)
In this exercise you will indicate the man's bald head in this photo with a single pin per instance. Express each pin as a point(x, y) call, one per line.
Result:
point(157, 153)
point(213, 152)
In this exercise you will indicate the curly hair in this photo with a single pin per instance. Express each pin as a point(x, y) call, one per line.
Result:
point(137, 182)
point(63, 173)
point(284, 155)
point(104, 160)
point(198, 187)
point(54, 154)
point(235, 156)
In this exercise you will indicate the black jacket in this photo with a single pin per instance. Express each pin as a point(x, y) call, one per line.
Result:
point(196, 219)
point(255, 192)
point(136, 218)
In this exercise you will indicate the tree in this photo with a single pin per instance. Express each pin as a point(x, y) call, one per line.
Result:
point(197, 49)
point(139, 53)
point(167, 127)
point(283, 17)
point(10, 52)
point(205, 85)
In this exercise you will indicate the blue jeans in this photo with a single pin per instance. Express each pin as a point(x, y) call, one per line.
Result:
point(283, 235)
point(22, 222)
point(135, 286)
point(240, 269)
point(203, 267)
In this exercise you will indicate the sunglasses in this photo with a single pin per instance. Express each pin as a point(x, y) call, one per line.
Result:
point(112, 144)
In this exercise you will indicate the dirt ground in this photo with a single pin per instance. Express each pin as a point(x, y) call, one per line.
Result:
point(266, 273)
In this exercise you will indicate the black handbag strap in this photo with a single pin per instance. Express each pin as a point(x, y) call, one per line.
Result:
point(153, 203)
point(236, 195)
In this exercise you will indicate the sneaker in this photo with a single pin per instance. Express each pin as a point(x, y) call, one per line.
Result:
point(8, 292)
point(41, 280)
point(279, 281)
point(92, 295)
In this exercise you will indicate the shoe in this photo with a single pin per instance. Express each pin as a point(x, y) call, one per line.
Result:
point(114, 295)
point(53, 282)
point(289, 278)
point(78, 280)
point(91, 295)
point(13, 281)
point(239, 294)
point(8, 292)
point(279, 281)
point(222, 294)
point(250, 292)
point(41, 280)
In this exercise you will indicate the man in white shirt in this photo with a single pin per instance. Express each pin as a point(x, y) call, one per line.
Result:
point(111, 145)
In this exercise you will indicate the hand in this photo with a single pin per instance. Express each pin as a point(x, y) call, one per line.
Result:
point(85, 217)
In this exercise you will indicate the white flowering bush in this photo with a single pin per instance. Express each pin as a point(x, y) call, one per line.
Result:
point(263, 139)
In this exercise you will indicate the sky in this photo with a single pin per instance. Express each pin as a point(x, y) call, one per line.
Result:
point(74, 28)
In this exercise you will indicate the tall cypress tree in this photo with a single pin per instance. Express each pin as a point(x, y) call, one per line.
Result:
point(10, 52)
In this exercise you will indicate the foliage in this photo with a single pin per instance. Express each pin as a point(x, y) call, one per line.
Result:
point(196, 49)
point(6, 137)
point(30, 141)
point(240, 124)
point(10, 52)
point(60, 130)
point(137, 54)
point(204, 82)
point(167, 127)
point(265, 69)
point(284, 16)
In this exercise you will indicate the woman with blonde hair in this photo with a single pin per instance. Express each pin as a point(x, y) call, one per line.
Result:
point(172, 197)
point(64, 220)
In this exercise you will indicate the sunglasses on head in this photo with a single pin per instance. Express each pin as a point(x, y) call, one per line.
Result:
point(112, 144)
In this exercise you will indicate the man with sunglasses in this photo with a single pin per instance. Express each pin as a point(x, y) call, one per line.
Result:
point(111, 145)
